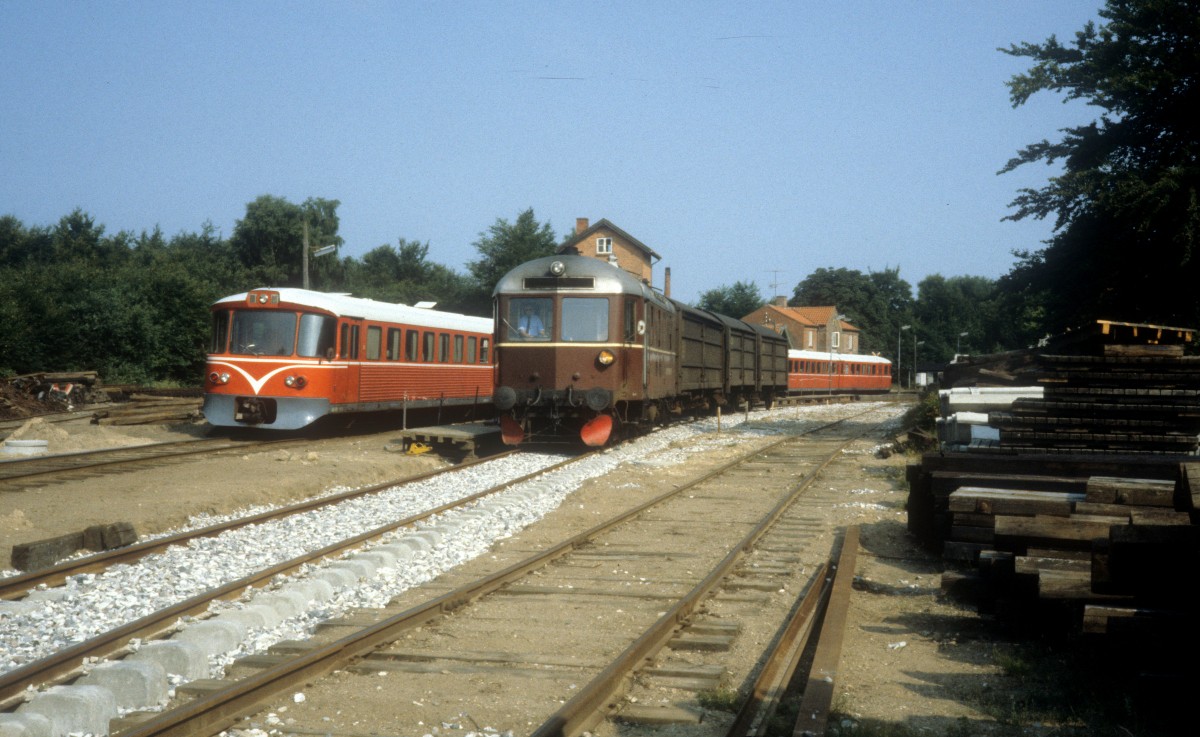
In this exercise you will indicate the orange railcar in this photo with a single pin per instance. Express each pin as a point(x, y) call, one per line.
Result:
point(283, 358)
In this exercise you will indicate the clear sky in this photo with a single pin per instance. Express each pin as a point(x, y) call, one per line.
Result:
point(743, 141)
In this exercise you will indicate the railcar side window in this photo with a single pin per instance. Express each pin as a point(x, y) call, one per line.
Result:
point(443, 348)
point(484, 344)
point(220, 332)
point(318, 335)
point(263, 333)
point(584, 319)
point(393, 344)
point(458, 349)
point(412, 341)
point(472, 342)
point(630, 321)
point(349, 340)
point(530, 318)
point(374, 342)
point(427, 353)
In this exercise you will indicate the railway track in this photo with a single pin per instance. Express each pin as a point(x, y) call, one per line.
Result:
point(65, 663)
point(45, 469)
point(637, 578)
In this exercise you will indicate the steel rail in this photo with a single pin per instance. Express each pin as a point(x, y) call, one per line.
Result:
point(14, 682)
point(594, 700)
point(818, 691)
point(213, 712)
point(772, 681)
point(13, 586)
point(83, 461)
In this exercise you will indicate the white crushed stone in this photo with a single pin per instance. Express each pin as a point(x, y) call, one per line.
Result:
point(90, 604)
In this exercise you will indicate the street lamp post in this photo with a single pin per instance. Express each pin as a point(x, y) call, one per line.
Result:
point(829, 340)
point(896, 368)
point(916, 343)
point(958, 347)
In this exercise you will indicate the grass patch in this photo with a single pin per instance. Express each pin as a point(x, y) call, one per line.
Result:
point(721, 699)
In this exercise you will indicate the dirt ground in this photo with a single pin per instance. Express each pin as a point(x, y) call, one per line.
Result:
point(913, 663)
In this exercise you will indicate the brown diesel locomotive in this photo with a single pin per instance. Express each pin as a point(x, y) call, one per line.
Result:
point(586, 348)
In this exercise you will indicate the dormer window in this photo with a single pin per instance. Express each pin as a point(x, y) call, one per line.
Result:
point(604, 246)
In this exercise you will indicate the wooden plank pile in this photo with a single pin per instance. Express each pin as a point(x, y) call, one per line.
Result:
point(142, 409)
point(1085, 517)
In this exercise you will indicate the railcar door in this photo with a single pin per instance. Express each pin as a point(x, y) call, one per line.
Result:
point(345, 390)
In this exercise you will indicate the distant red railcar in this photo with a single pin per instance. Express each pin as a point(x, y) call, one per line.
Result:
point(814, 372)
point(283, 358)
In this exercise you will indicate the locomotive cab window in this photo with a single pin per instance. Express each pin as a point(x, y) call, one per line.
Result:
point(585, 319)
point(318, 335)
point(261, 333)
point(529, 318)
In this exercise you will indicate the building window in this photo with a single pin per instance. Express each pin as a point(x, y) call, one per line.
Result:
point(604, 245)
point(810, 335)
point(835, 339)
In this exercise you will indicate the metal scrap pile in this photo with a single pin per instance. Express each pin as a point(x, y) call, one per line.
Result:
point(36, 394)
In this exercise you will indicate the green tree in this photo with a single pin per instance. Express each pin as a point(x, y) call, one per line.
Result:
point(403, 273)
point(1126, 205)
point(737, 301)
point(877, 303)
point(502, 247)
point(269, 239)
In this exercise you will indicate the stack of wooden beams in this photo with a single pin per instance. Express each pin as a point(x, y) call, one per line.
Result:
point(1143, 399)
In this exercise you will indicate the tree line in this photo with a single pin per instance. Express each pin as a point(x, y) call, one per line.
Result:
point(134, 307)
point(1126, 208)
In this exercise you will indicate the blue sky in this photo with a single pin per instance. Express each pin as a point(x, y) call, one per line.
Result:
point(743, 141)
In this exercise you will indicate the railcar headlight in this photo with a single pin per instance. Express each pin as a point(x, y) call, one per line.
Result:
point(558, 268)
point(606, 358)
point(295, 382)
point(216, 378)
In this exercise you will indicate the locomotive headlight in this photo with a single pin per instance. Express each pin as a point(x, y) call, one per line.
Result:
point(215, 378)
point(606, 358)
point(295, 382)
point(558, 268)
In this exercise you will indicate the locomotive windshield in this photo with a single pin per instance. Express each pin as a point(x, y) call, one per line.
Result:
point(585, 319)
point(530, 318)
point(262, 333)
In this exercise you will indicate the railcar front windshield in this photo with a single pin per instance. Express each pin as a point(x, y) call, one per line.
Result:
point(262, 333)
point(529, 318)
point(318, 335)
point(585, 319)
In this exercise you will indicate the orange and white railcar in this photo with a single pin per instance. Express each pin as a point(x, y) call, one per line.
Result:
point(812, 372)
point(283, 358)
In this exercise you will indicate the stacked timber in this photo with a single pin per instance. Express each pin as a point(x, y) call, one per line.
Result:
point(1086, 511)
point(142, 409)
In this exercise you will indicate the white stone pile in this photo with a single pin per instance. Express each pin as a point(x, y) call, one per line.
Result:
point(50, 620)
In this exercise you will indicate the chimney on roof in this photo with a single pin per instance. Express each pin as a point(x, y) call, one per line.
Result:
point(779, 301)
point(667, 282)
point(581, 224)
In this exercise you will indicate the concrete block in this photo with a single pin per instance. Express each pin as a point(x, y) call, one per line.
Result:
point(313, 589)
point(338, 578)
point(14, 724)
point(360, 568)
point(380, 558)
point(176, 657)
point(402, 553)
point(285, 603)
point(251, 617)
point(78, 709)
point(136, 684)
point(211, 636)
